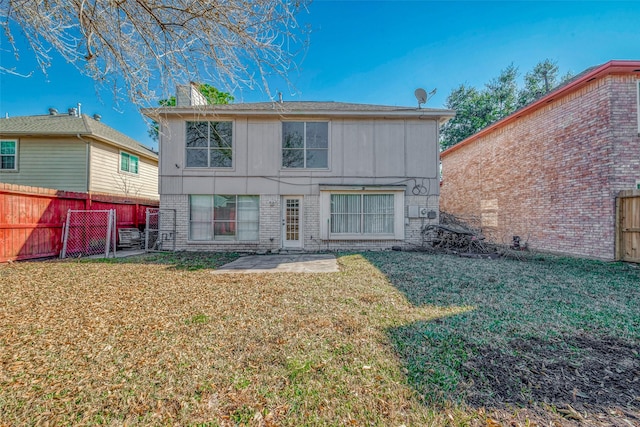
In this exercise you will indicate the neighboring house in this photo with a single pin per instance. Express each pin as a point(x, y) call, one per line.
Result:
point(298, 175)
point(550, 172)
point(74, 152)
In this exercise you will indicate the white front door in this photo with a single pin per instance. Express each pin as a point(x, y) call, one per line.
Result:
point(292, 222)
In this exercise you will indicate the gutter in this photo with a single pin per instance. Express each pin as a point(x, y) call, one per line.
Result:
point(156, 114)
point(88, 151)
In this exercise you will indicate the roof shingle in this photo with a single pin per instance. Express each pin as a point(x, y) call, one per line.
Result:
point(301, 108)
point(68, 125)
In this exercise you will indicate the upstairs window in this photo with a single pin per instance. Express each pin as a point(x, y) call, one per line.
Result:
point(209, 144)
point(8, 155)
point(128, 163)
point(305, 145)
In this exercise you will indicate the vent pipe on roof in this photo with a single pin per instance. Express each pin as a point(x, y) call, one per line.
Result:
point(97, 117)
point(53, 112)
point(280, 97)
point(72, 112)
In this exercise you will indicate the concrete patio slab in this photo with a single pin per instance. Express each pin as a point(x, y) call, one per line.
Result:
point(299, 263)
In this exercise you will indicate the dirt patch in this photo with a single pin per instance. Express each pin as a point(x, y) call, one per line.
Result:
point(585, 380)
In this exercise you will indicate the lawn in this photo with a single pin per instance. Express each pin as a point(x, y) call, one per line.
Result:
point(393, 339)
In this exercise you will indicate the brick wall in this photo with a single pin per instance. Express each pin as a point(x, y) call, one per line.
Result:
point(270, 227)
point(552, 176)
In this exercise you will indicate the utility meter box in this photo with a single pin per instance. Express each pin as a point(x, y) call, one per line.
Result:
point(420, 212)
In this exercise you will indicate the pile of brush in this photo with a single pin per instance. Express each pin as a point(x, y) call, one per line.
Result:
point(455, 236)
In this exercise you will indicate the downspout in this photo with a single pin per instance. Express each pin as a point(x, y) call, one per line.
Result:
point(88, 164)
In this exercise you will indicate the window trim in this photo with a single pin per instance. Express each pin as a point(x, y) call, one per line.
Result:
point(233, 145)
point(398, 212)
point(15, 156)
point(304, 168)
point(137, 172)
point(212, 221)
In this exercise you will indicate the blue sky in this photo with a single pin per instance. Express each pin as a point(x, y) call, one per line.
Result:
point(379, 52)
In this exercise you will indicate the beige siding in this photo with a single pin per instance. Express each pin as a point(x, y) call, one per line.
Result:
point(106, 177)
point(58, 163)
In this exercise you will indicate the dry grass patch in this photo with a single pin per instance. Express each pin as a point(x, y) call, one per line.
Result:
point(88, 343)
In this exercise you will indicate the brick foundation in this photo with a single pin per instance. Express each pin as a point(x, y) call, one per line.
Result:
point(270, 236)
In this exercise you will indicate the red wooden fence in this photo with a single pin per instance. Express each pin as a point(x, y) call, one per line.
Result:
point(31, 218)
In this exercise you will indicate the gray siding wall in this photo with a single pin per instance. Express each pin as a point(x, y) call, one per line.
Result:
point(57, 163)
point(361, 152)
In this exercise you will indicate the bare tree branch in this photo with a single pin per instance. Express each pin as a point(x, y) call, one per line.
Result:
point(143, 48)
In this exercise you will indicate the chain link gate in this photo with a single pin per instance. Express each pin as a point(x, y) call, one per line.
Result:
point(160, 233)
point(89, 232)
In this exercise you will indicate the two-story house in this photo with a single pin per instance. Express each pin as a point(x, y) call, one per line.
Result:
point(75, 152)
point(298, 175)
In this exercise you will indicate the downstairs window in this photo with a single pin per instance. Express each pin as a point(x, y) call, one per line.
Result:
point(376, 214)
point(224, 218)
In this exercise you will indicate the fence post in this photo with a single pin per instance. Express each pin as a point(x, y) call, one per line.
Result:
point(618, 232)
point(146, 231)
point(115, 232)
point(63, 253)
point(107, 246)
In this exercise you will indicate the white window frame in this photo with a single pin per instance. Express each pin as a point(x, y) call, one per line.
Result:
point(208, 148)
point(398, 213)
point(137, 172)
point(213, 221)
point(15, 156)
point(304, 149)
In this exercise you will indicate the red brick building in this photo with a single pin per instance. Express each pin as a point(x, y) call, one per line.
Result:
point(551, 171)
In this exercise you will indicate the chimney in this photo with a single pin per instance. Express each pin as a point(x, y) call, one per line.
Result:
point(53, 112)
point(189, 96)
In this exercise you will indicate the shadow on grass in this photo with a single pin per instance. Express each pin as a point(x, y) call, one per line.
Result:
point(556, 338)
point(182, 260)
point(576, 377)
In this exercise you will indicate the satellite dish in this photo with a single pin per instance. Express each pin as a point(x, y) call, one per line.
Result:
point(421, 96)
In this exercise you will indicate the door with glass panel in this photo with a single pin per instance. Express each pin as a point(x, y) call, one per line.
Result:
point(292, 222)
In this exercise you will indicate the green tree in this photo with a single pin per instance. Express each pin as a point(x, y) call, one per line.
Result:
point(212, 94)
point(466, 101)
point(502, 94)
point(477, 109)
point(541, 80)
